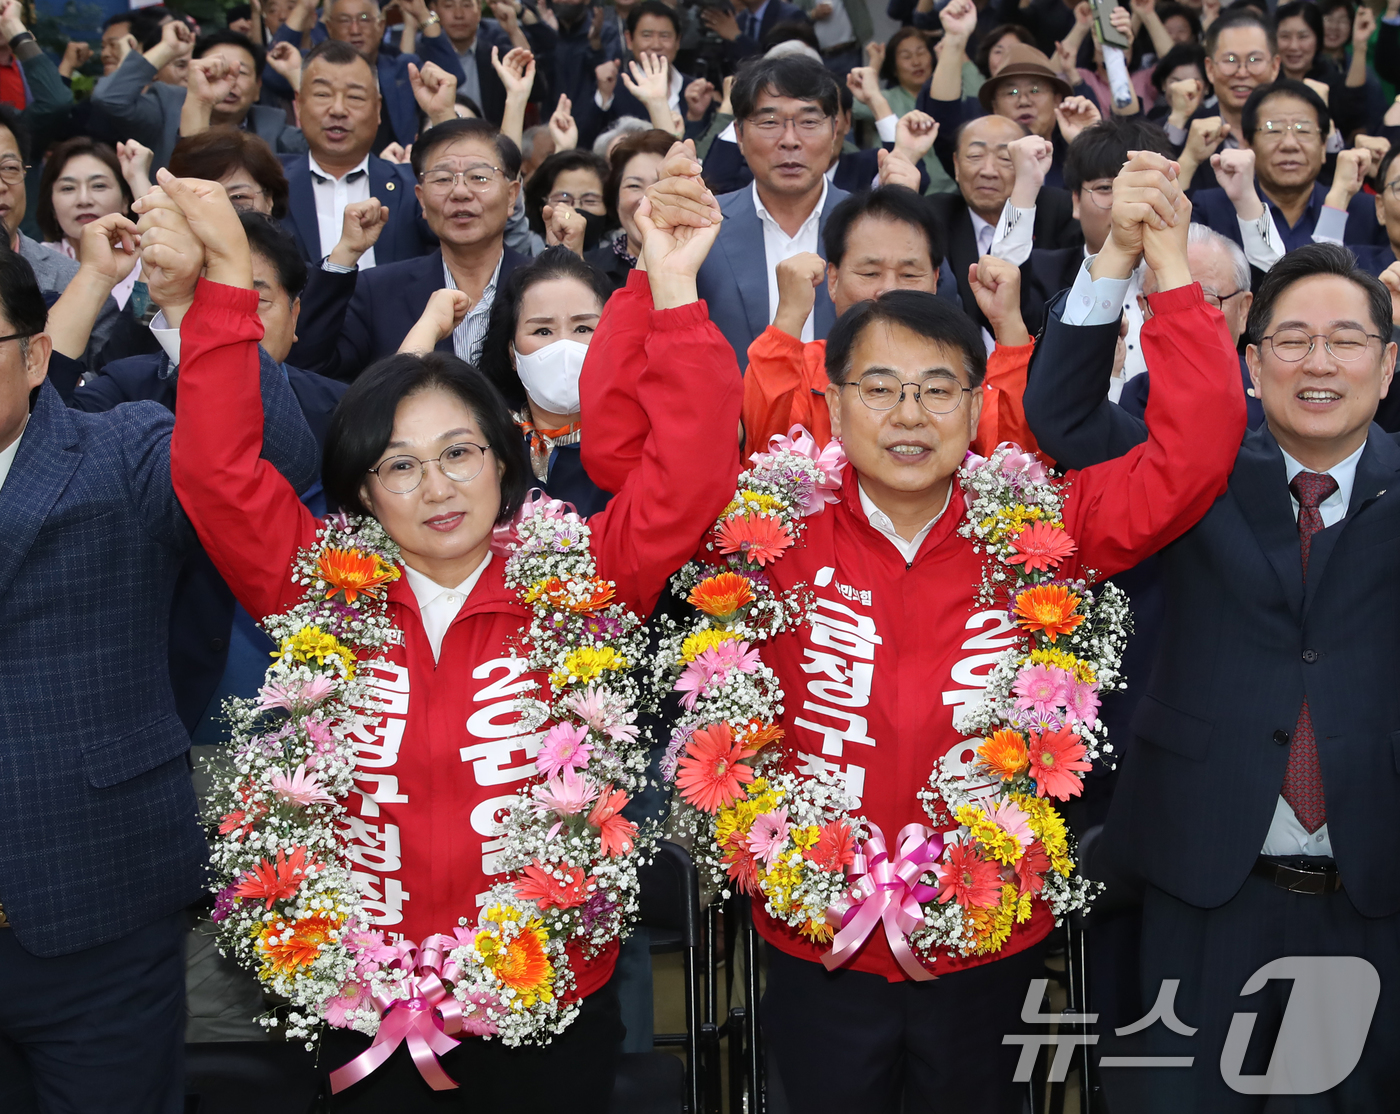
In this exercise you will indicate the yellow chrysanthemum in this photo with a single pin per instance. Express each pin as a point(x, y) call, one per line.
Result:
point(586, 664)
point(804, 838)
point(1066, 661)
point(994, 839)
point(313, 642)
point(753, 501)
point(1049, 827)
point(988, 929)
point(697, 643)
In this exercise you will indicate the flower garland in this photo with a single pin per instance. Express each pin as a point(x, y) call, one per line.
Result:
point(287, 907)
point(792, 839)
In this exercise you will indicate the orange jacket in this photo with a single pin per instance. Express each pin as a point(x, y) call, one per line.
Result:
point(786, 381)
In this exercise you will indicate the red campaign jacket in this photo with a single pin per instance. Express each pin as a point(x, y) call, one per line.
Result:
point(871, 684)
point(448, 755)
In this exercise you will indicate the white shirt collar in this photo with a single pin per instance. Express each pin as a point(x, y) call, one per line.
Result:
point(1344, 473)
point(908, 548)
point(978, 224)
point(320, 173)
point(814, 216)
point(8, 454)
point(438, 605)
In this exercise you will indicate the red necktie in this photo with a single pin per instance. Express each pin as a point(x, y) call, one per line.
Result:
point(1302, 781)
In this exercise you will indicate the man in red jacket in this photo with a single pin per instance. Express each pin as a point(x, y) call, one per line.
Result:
point(897, 640)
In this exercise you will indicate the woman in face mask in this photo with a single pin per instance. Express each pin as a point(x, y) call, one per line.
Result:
point(534, 350)
point(635, 161)
point(573, 178)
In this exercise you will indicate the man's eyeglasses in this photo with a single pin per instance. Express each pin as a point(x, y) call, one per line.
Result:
point(772, 127)
point(1274, 130)
point(577, 200)
point(477, 179)
point(1292, 345)
point(1219, 300)
point(1016, 92)
point(1254, 63)
point(460, 463)
point(1102, 196)
point(364, 19)
point(12, 171)
point(937, 394)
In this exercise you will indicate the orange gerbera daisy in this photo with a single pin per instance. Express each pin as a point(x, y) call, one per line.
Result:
point(523, 964)
point(712, 774)
point(1004, 753)
point(1048, 608)
point(1041, 546)
point(285, 948)
point(722, 595)
point(569, 597)
point(354, 572)
point(757, 734)
point(757, 538)
point(544, 889)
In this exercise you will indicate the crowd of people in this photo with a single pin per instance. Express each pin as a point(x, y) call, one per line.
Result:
point(406, 264)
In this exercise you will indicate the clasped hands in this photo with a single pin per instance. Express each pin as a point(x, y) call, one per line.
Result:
point(1151, 218)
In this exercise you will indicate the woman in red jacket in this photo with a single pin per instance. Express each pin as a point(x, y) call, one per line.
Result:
point(414, 444)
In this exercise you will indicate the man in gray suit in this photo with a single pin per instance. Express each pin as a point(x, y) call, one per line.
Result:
point(225, 81)
point(784, 121)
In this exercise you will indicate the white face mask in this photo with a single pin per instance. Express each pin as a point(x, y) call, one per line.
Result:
point(550, 375)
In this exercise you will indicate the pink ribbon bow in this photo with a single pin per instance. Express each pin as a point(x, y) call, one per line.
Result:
point(536, 502)
point(830, 460)
point(888, 890)
point(424, 1019)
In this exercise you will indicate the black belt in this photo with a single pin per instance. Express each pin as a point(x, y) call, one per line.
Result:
point(854, 44)
point(1311, 878)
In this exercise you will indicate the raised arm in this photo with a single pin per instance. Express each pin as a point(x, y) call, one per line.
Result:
point(1128, 508)
point(687, 390)
point(247, 515)
point(996, 284)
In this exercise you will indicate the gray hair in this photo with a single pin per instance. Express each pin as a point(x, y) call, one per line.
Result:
point(625, 125)
point(527, 140)
point(1207, 237)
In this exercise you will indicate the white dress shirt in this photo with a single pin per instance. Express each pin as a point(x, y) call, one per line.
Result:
point(166, 337)
point(835, 29)
point(468, 337)
point(438, 605)
point(985, 234)
point(8, 454)
point(467, 60)
point(1287, 836)
point(1101, 301)
point(778, 245)
point(332, 195)
point(908, 549)
point(1013, 239)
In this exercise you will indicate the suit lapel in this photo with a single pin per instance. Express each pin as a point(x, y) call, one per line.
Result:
point(47, 458)
point(1260, 487)
point(301, 203)
point(1377, 472)
point(386, 188)
point(825, 311)
point(744, 250)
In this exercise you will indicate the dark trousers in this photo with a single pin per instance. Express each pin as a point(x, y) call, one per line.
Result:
point(575, 1072)
point(852, 1043)
point(100, 1030)
point(1213, 952)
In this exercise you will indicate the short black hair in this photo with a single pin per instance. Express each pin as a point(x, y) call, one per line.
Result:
point(362, 424)
point(918, 311)
point(1183, 54)
point(1101, 150)
point(118, 17)
point(1384, 169)
point(336, 53)
point(553, 263)
point(10, 119)
point(541, 183)
point(1283, 87)
point(148, 24)
point(656, 8)
point(1172, 10)
point(1240, 17)
point(1303, 263)
point(794, 30)
point(275, 244)
point(225, 37)
point(237, 12)
point(21, 300)
point(449, 131)
point(790, 75)
point(888, 203)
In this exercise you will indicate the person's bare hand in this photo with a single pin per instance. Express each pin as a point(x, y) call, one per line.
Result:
point(360, 229)
point(1321, 88)
point(135, 161)
point(798, 279)
point(211, 79)
point(1210, 12)
point(680, 197)
point(1030, 159)
point(1083, 15)
point(875, 55)
point(1391, 278)
point(820, 11)
point(698, 97)
point(996, 284)
point(445, 310)
point(505, 14)
point(435, 90)
point(1348, 177)
point(1164, 247)
point(896, 169)
point(650, 78)
point(564, 225)
point(1377, 145)
point(285, 59)
point(1185, 97)
point(676, 252)
point(1207, 133)
point(1234, 170)
point(863, 84)
point(722, 23)
point(914, 135)
point(606, 77)
point(1362, 28)
point(563, 128)
point(1145, 194)
point(727, 87)
point(516, 71)
point(212, 218)
point(959, 19)
point(396, 152)
point(75, 56)
point(1121, 20)
point(172, 256)
point(1074, 114)
point(110, 247)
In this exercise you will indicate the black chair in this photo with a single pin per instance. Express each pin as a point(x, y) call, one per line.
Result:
point(273, 1077)
point(657, 1082)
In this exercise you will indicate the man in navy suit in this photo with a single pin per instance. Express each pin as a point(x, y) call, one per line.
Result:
point(101, 849)
point(1374, 258)
point(361, 24)
point(785, 120)
point(472, 39)
point(467, 184)
point(1253, 800)
point(743, 33)
point(340, 107)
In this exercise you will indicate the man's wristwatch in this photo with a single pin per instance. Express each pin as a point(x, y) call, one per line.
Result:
point(432, 18)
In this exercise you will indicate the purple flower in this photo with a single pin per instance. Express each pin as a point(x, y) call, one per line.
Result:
point(223, 903)
point(597, 908)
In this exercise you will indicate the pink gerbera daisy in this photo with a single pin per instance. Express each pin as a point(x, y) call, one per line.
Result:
point(565, 795)
point(768, 836)
point(564, 746)
point(968, 879)
point(1056, 759)
point(713, 774)
point(301, 788)
point(1082, 699)
point(1040, 688)
point(1040, 547)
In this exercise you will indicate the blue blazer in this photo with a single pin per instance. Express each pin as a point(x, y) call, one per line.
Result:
point(777, 11)
point(349, 321)
point(1208, 743)
point(405, 236)
point(733, 280)
point(98, 830)
point(1214, 209)
point(201, 614)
